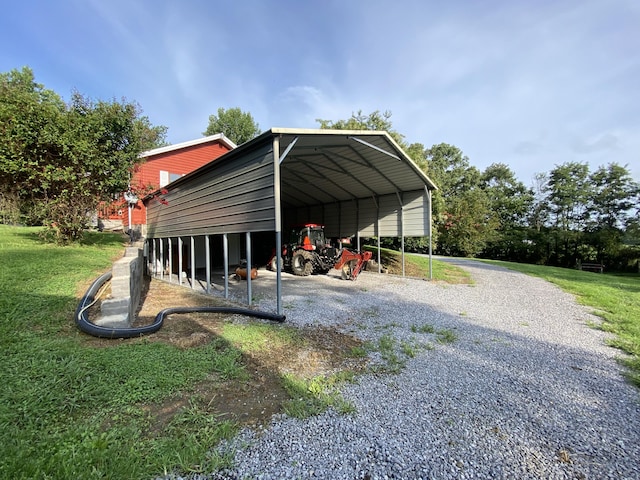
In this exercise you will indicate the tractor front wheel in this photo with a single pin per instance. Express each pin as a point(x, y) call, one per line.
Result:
point(273, 266)
point(301, 263)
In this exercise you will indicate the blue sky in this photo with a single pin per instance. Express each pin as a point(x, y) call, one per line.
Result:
point(532, 84)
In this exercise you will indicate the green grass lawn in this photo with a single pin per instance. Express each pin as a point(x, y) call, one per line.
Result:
point(615, 298)
point(71, 409)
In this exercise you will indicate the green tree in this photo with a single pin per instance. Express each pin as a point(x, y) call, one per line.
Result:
point(61, 160)
point(151, 136)
point(236, 125)
point(29, 114)
point(377, 121)
point(511, 202)
point(451, 170)
point(614, 196)
point(462, 209)
point(468, 224)
point(538, 241)
point(510, 199)
point(568, 191)
point(539, 214)
point(358, 121)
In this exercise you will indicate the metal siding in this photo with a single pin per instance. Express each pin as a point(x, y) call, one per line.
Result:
point(368, 213)
point(349, 218)
point(416, 214)
point(231, 197)
point(332, 220)
point(329, 178)
point(390, 216)
point(303, 215)
point(341, 219)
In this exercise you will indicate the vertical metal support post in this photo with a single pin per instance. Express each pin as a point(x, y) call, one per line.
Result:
point(248, 240)
point(170, 260)
point(278, 221)
point(161, 240)
point(358, 225)
point(378, 234)
point(180, 260)
point(193, 262)
point(430, 237)
point(279, 273)
point(339, 219)
point(379, 255)
point(153, 257)
point(225, 254)
point(207, 256)
point(402, 233)
point(401, 230)
point(146, 255)
point(429, 231)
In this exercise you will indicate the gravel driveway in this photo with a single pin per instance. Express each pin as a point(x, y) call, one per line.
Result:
point(526, 390)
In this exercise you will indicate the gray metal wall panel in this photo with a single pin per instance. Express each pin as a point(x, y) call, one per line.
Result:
point(349, 218)
point(390, 216)
point(302, 215)
point(368, 213)
point(231, 197)
point(416, 214)
point(332, 219)
point(341, 219)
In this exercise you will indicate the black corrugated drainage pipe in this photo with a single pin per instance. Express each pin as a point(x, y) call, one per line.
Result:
point(88, 299)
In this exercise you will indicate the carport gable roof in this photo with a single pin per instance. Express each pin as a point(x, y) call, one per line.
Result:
point(326, 166)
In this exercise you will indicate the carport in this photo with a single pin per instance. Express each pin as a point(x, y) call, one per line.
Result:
point(356, 183)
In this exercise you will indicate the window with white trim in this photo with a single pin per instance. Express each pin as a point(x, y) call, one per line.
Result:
point(168, 177)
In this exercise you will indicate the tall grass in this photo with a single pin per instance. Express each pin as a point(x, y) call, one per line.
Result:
point(615, 298)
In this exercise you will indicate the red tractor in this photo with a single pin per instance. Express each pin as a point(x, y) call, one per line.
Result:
point(308, 252)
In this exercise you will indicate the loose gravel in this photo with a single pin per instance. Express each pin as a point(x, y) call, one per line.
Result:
point(521, 388)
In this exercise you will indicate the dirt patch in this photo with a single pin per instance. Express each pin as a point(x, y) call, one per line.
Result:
point(255, 399)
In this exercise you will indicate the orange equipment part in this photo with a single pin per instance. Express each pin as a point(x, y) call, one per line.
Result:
point(242, 273)
point(352, 261)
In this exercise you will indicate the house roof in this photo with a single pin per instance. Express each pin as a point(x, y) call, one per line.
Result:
point(218, 137)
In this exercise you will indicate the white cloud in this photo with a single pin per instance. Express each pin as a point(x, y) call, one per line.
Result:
point(527, 84)
point(607, 142)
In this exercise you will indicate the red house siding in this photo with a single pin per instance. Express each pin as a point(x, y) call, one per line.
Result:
point(147, 176)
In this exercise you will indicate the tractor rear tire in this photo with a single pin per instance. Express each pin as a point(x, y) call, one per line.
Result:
point(301, 263)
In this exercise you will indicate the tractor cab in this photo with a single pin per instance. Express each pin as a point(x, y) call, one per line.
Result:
point(308, 237)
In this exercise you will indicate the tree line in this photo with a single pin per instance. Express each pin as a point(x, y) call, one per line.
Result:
point(569, 216)
point(59, 160)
